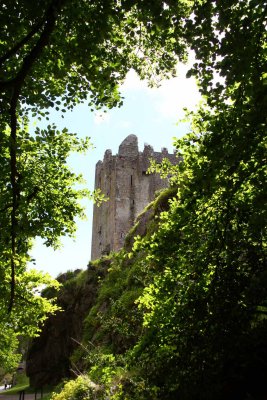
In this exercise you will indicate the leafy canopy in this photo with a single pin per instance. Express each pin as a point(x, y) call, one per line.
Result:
point(57, 53)
point(205, 312)
point(204, 304)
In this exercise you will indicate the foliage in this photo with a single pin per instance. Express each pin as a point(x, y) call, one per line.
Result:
point(8, 350)
point(114, 322)
point(59, 60)
point(79, 389)
point(210, 255)
point(204, 313)
point(146, 222)
point(198, 329)
point(21, 383)
point(57, 53)
point(204, 305)
point(26, 316)
point(114, 319)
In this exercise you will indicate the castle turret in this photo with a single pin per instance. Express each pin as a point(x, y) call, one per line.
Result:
point(129, 147)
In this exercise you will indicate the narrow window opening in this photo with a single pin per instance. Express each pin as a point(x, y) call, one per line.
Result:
point(131, 180)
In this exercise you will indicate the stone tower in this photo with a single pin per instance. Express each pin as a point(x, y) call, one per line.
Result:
point(124, 180)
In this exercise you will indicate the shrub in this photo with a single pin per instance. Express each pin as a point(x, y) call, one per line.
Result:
point(79, 389)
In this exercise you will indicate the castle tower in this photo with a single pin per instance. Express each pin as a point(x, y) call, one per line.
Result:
point(124, 180)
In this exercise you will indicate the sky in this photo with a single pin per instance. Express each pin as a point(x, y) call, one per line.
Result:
point(152, 114)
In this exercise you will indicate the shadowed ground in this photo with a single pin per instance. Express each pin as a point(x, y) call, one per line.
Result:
point(27, 396)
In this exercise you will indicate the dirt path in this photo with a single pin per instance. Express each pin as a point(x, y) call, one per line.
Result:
point(16, 396)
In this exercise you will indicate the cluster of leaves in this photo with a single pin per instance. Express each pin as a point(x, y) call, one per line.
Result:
point(46, 204)
point(27, 315)
point(81, 388)
point(114, 321)
point(57, 53)
point(209, 297)
point(204, 310)
point(204, 306)
point(204, 302)
point(87, 47)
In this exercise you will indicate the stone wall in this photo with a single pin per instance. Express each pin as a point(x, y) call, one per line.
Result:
point(124, 180)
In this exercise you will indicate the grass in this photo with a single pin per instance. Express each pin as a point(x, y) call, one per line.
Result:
point(16, 389)
point(23, 385)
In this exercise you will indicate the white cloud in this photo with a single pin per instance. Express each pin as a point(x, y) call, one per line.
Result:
point(174, 95)
point(133, 82)
point(177, 93)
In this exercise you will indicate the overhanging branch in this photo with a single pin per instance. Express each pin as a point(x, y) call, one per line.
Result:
point(48, 22)
point(16, 85)
point(20, 44)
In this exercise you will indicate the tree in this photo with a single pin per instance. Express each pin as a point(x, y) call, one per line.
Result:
point(205, 312)
point(54, 53)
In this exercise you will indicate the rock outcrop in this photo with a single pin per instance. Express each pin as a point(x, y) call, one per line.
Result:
point(48, 359)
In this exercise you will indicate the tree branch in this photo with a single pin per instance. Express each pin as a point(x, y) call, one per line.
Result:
point(15, 193)
point(17, 84)
point(49, 25)
point(38, 48)
point(20, 44)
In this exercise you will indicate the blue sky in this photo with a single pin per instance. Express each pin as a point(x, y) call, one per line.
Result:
point(151, 114)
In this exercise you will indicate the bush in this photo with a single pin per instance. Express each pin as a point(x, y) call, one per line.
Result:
point(79, 389)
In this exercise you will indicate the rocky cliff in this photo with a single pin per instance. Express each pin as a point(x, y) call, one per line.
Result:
point(48, 357)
